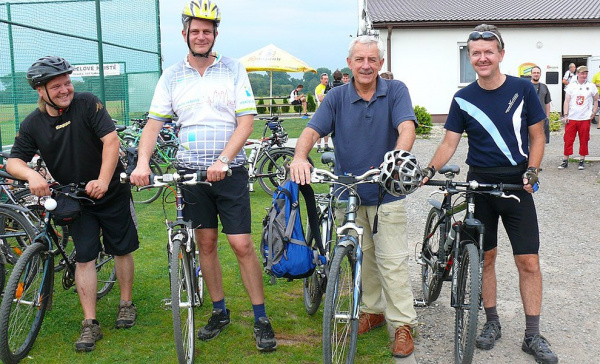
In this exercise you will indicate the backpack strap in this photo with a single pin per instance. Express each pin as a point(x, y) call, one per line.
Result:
point(311, 211)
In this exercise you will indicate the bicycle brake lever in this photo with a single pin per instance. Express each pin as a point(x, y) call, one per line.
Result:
point(503, 195)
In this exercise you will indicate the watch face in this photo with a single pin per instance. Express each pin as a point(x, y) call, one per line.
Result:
point(224, 159)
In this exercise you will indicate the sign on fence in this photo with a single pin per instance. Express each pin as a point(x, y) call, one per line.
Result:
point(83, 70)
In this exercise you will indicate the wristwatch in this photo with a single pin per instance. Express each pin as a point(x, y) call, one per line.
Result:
point(224, 159)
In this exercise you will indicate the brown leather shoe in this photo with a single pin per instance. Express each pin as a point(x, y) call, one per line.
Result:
point(369, 321)
point(403, 344)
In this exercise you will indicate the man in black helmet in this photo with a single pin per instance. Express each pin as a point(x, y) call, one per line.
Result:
point(213, 99)
point(77, 140)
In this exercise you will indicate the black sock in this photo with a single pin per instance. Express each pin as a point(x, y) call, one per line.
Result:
point(532, 325)
point(491, 314)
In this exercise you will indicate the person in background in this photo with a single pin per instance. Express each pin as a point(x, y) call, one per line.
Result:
point(297, 98)
point(76, 137)
point(381, 113)
point(212, 96)
point(345, 77)
point(388, 75)
point(581, 105)
point(596, 81)
point(320, 91)
point(544, 97)
point(337, 78)
point(569, 75)
point(503, 119)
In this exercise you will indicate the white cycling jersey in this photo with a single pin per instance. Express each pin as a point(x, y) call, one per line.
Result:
point(207, 107)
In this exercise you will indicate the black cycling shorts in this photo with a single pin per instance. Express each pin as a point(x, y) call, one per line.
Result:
point(115, 218)
point(296, 102)
point(229, 199)
point(519, 218)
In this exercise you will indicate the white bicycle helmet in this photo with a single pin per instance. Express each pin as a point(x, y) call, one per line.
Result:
point(400, 173)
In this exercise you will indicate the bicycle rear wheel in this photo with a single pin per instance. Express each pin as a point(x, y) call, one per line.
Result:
point(468, 291)
point(271, 170)
point(182, 304)
point(340, 330)
point(107, 274)
point(24, 303)
point(431, 277)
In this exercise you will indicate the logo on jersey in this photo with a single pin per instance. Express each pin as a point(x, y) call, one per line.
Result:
point(63, 125)
point(580, 100)
point(511, 103)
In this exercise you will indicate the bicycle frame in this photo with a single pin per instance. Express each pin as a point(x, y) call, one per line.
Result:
point(182, 230)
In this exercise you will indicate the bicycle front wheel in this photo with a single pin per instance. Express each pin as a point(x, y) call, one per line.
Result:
point(431, 277)
point(107, 274)
point(24, 303)
point(271, 170)
point(468, 291)
point(182, 291)
point(340, 329)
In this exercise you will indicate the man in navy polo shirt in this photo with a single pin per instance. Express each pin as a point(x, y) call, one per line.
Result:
point(367, 118)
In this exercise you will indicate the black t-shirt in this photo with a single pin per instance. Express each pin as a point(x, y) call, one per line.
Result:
point(69, 144)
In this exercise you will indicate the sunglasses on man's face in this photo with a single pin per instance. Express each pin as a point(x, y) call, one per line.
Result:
point(486, 35)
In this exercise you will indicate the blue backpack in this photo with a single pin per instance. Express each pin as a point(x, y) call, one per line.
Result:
point(284, 248)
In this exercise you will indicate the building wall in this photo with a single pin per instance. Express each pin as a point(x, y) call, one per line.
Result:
point(427, 60)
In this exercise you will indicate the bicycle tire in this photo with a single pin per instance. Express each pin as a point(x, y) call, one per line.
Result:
point(314, 286)
point(340, 334)
point(21, 318)
point(182, 306)
point(106, 273)
point(271, 170)
point(148, 195)
point(431, 277)
point(26, 199)
point(468, 292)
point(16, 234)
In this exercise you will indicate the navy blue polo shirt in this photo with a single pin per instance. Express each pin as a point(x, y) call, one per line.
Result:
point(363, 131)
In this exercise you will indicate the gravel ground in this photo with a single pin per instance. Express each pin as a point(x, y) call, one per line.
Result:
point(568, 210)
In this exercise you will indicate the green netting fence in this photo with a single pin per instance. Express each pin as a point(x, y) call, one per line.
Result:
point(114, 46)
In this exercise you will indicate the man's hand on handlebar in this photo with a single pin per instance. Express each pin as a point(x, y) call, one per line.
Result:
point(300, 171)
point(531, 180)
point(140, 176)
point(216, 172)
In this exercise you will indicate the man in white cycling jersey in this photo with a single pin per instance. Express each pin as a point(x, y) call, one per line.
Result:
point(212, 97)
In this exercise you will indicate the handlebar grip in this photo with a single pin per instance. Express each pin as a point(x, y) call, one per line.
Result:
point(433, 182)
point(511, 187)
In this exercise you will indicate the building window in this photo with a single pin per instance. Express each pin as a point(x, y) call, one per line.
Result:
point(467, 73)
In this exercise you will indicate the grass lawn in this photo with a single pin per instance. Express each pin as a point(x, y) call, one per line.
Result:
point(151, 339)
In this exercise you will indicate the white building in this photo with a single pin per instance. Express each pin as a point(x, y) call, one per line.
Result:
point(426, 42)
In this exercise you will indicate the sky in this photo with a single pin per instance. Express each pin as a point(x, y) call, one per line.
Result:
point(317, 32)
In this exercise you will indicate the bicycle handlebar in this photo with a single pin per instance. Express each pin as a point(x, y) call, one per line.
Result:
point(198, 177)
point(323, 176)
point(494, 189)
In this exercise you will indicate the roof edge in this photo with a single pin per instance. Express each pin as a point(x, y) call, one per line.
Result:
point(498, 23)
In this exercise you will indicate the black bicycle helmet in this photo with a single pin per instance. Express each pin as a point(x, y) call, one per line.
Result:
point(45, 69)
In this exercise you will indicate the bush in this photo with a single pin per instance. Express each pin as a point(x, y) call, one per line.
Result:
point(261, 110)
point(285, 109)
point(424, 120)
point(311, 104)
point(555, 121)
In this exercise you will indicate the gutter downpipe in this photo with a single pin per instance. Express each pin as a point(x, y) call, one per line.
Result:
point(389, 48)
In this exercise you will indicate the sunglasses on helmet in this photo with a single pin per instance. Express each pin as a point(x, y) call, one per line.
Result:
point(486, 35)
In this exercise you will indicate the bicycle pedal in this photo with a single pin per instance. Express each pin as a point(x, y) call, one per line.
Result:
point(419, 302)
point(166, 304)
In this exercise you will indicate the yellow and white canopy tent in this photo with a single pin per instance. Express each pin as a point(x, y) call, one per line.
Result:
point(271, 58)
